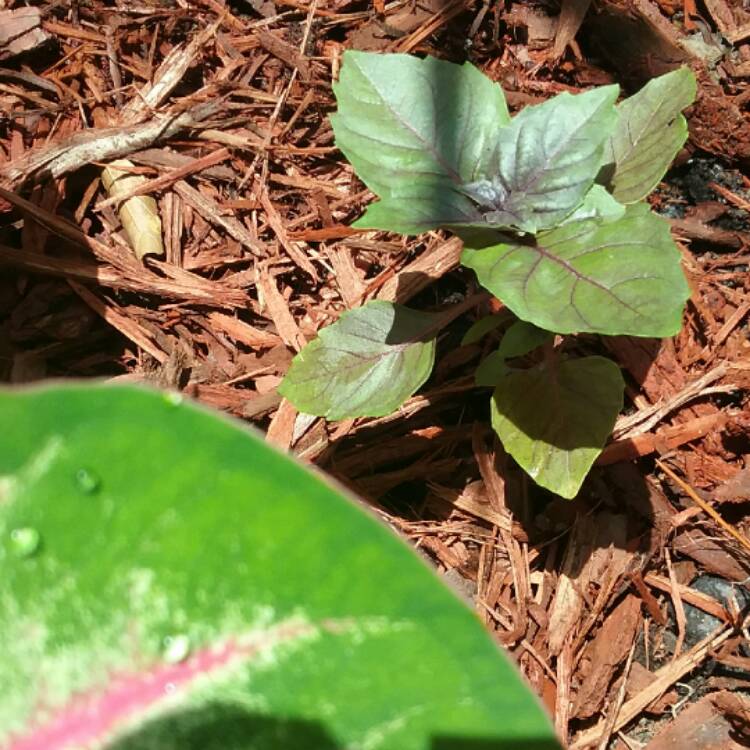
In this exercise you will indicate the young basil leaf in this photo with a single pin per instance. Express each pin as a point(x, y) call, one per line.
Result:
point(546, 160)
point(404, 122)
point(480, 328)
point(622, 277)
point(364, 365)
point(554, 421)
point(522, 338)
point(598, 204)
point(421, 211)
point(490, 370)
point(650, 131)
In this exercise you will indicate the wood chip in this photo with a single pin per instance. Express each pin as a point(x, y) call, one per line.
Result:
point(422, 272)
point(571, 17)
point(278, 310)
point(281, 430)
point(663, 679)
point(123, 323)
point(212, 213)
point(243, 332)
point(606, 652)
point(347, 277)
point(20, 31)
point(711, 723)
point(296, 253)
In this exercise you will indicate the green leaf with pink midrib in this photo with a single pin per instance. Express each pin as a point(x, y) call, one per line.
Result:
point(309, 624)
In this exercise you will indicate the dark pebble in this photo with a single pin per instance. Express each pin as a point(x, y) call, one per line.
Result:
point(699, 624)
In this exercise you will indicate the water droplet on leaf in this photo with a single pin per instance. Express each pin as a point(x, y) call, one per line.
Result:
point(24, 542)
point(176, 648)
point(87, 481)
point(173, 398)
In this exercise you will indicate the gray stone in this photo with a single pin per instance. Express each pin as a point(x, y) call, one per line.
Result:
point(699, 624)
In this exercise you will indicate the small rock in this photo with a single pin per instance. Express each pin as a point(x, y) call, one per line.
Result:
point(699, 624)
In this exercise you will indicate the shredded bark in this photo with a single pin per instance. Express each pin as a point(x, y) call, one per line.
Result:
point(222, 109)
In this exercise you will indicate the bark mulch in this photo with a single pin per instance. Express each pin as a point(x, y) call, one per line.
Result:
point(221, 109)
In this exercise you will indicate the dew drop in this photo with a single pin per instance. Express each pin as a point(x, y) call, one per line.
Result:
point(173, 398)
point(87, 481)
point(176, 648)
point(170, 687)
point(24, 542)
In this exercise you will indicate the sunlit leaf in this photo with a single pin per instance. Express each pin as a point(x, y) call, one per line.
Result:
point(597, 204)
point(209, 593)
point(621, 277)
point(366, 364)
point(554, 420)
point(424, 209)
point(522, 338)
point(546, 160)
point(649, 132)
point(405, 122)
point(434, 141)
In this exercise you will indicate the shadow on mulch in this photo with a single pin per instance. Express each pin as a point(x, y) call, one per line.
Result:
point(46, 329)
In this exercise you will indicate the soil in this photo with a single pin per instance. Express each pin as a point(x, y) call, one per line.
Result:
point(256, 206)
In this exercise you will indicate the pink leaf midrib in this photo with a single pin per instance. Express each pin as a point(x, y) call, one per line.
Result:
point(92, 719)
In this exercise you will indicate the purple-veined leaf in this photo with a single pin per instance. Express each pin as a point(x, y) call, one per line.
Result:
point(546, 160)
point(648, 134)
point(405, 122)
point(366, 364)
point(620, 277)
